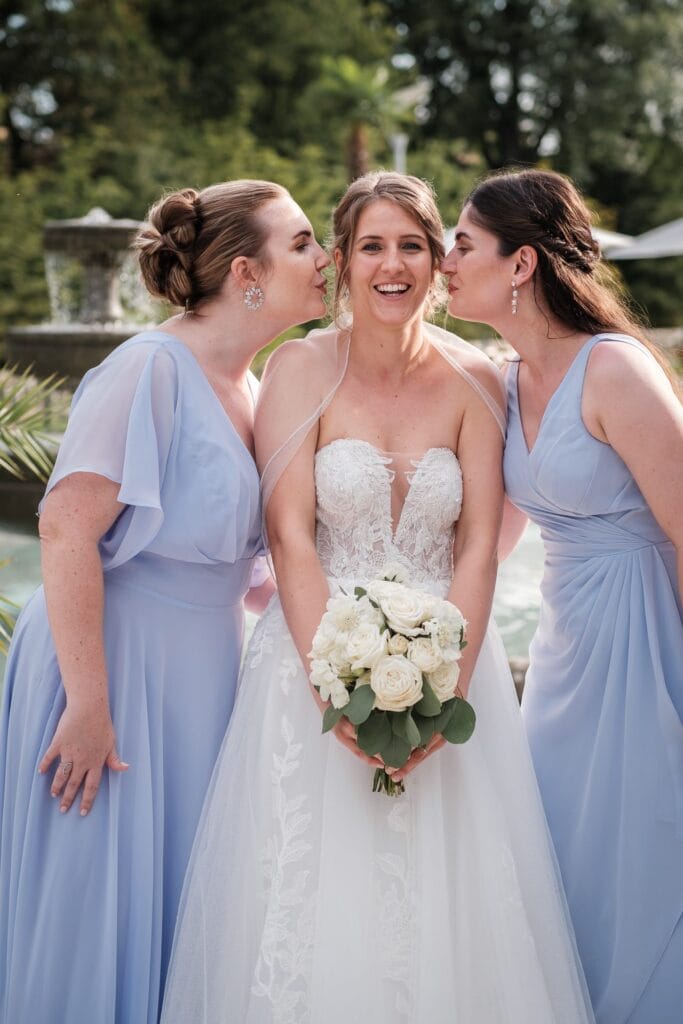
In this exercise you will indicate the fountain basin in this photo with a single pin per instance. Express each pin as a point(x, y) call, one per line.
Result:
point(65, 349)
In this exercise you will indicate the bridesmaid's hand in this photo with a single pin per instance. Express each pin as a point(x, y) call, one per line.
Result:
point(85, 744)
point(417, 757)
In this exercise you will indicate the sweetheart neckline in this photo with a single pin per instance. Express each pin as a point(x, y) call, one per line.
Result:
point(380, 451)
point(395, 526)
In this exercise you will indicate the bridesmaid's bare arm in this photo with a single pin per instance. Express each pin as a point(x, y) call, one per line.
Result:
point(629, 404)
point(513, 526)
point(76, 514)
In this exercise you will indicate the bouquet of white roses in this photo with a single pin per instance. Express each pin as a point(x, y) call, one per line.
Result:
point(386, 658)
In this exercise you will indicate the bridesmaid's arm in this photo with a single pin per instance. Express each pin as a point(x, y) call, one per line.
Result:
point(629, 404)
point(76, 514)
point(257, 598)
point(513, 526)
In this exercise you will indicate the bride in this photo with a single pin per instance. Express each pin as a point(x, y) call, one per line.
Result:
point(309, 897)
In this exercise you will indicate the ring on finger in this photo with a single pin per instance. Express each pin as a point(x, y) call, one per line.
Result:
point(66, 767)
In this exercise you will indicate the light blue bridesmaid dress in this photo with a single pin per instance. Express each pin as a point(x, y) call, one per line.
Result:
point(603, 704)
point(88, 905)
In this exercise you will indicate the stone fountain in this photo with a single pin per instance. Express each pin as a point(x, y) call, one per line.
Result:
point(94, 296)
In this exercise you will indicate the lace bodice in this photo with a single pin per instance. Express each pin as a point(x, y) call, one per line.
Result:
point(355, 530)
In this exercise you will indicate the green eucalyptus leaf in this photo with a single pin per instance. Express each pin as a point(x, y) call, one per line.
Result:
point(412, 733)
point(461, 724)
point(430, 704)
point(374, 733)
point(396, 752)
point(331, 717)
point(360, 592)
point(425, 727)
point(442, 719)
point(359, 707)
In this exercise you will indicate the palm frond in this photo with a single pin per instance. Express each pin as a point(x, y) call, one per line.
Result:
point(32, 413)
point(8, 616)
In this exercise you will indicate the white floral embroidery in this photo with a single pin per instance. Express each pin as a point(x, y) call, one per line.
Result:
point(261, 643)
point(283, 967)
point(396, 910)
point(354, 533)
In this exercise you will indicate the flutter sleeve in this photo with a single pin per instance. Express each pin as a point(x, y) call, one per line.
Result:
point(121, 426)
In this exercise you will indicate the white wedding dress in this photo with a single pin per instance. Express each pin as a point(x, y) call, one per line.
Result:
point(312, 899)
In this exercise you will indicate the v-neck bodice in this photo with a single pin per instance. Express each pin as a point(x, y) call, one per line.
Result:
point(577, 488)
point(356, 530)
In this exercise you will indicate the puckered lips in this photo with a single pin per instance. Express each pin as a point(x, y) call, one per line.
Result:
point(392, 290)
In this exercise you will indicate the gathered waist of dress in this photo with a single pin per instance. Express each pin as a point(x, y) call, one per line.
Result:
point(201, 584)
point(581, 548)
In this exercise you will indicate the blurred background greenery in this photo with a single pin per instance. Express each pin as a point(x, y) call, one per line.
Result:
point(109, 103)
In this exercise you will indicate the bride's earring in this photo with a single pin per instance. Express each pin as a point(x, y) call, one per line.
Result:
point(254, 297)
point(515, 294)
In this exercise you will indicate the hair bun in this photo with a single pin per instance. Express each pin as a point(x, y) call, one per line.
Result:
point(165, 246)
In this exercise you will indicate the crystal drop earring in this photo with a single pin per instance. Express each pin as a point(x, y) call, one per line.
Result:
point(515, 294)
point(254, 297)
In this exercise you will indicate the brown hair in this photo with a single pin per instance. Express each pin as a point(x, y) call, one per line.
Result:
point(191, 238)
point(544, 209)
point(413, 195)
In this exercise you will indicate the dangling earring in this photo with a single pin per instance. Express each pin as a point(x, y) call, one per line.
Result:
point(254, 297)
point(515, 293)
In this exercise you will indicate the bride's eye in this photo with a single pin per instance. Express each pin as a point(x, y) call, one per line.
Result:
point(371, 247)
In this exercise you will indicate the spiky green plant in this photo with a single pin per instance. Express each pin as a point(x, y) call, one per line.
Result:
point(29, 425)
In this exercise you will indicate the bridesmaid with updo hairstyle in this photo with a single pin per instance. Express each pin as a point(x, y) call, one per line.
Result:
point(594, 456)
point(121, 675)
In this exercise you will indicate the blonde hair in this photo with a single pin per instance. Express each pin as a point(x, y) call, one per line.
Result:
point(191, 238)
point(413, 195)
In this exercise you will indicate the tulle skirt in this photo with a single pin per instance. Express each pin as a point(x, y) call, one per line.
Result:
point(310, 898)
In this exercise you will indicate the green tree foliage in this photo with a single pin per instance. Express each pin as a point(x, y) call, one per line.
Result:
point(70, 65)
point(591, 89)
point(110, 103)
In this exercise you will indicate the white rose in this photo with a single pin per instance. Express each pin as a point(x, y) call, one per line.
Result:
point(397, 683)
point(365, 645)
point(398, 644)
point(421, 652)
point(325, 638)
point(323, 677)
point(444, 680)
point(404, 609)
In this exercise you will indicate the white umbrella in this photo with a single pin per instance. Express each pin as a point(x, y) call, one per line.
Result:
point(666, 240)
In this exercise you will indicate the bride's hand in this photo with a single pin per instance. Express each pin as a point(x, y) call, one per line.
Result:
point(346, 734)
point(416, 758)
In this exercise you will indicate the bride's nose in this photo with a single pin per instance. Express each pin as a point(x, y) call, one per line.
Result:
point(392, 258)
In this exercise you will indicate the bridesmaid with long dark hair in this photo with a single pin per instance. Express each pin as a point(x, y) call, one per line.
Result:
point(594, 455)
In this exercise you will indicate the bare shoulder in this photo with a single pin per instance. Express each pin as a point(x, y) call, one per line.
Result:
point(620, 372)
point(300, 356)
